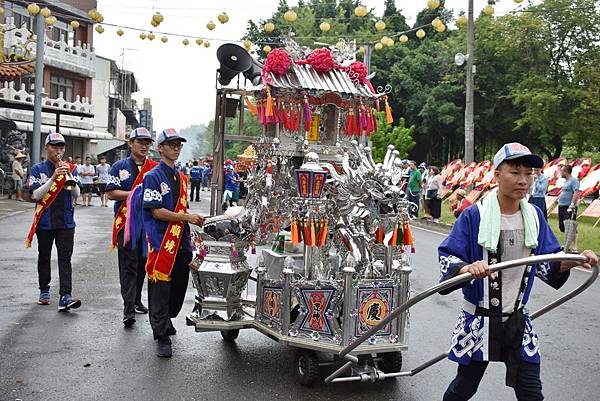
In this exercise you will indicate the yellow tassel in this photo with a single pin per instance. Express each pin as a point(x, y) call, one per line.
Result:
point(269, 109)
point(388, 112)
point(158, 276)
point(251, 107)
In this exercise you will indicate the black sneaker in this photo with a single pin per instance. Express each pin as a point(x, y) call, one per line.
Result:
point(164, 347)
point(67, 302)
point(141, 309)
point(128, 322)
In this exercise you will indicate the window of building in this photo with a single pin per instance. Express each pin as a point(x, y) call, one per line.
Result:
point(61, 84)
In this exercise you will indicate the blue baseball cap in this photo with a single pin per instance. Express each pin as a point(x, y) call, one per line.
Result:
point(55, 139)
point(141, 133)
point(515, 150)
point(169, 134)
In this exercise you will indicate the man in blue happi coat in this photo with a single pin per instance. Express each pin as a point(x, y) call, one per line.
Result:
point(494, 324)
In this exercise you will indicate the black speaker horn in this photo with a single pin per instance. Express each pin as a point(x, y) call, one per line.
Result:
point(234, 59)
point(253, 73)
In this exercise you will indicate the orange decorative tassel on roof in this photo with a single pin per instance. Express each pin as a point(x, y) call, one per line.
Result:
point(251, 107)
point(388, 111)
point(269, 108)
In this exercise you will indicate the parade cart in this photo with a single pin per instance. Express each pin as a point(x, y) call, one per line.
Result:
point(319, 257)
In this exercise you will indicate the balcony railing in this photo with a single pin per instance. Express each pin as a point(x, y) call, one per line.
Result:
point(9, 94)
point(79, 59)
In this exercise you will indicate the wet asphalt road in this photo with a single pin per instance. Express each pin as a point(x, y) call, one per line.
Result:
point(88, 355)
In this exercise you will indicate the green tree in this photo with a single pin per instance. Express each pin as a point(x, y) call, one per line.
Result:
point(400, 136)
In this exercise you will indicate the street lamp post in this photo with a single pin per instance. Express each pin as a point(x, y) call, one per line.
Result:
point(36, 138)
point(469, 126)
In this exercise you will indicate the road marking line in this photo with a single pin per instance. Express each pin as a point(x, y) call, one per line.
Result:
point(430, 231)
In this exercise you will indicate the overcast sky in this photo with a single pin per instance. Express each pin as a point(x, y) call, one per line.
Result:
point(180, 79)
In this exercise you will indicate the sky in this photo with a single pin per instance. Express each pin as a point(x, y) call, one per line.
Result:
point(180, 79)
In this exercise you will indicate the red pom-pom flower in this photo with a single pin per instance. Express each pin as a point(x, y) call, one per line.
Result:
point(321, 60)
point(358, 71)
point(278, 62)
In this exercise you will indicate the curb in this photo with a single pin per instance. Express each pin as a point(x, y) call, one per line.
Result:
point(441, 228)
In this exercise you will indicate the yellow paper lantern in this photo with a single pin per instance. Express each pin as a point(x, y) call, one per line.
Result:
point(199, 41)
point(154, 23)
point(518, 1)
point(185, 42)
point(142, 35)
point(436, 22)
point(421, 34)
point(378, 46)
point(384, 40)
point(290, 16)
point(403, 39)
point(325, 26)
point(74, 24)
point(151, 36)
point(223, 18)
point(100, 18)
point(120, 32)
point(488, 10)
point(247, 44)
point(93, 14)
point(1, 11)
point(389, 42)
point(440, 28)
point(158, 18)
point(433, 4)
point(360, 11)
point(269, 27)
point(33, 9)
point(267, 49)
point(45, 12)
point(99, 28)
point(51, 20)
point(462, 21)
point(380, 25)
point(211, 25)
point(164, 39)
point(206, 43)
point(361, 50)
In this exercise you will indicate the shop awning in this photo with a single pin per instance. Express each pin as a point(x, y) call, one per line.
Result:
point(76, 132)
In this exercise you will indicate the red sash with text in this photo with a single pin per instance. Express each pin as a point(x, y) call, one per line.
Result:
point(160, 262)
point(121, 216)
point(45, 203)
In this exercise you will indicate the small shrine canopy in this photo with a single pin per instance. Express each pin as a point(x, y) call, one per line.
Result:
point(304, 77)
point(16, 69)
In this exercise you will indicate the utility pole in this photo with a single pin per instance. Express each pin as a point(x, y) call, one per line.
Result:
point(36, 139)
point(469, 126)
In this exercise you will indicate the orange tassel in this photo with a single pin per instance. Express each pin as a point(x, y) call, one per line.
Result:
point(388, 112)
point(269, 108)
point(313, 235)
point(323, 233)
point(394, 239)
point(295, 240)
point(379, 235)
point(306, 233)
point(251, 107)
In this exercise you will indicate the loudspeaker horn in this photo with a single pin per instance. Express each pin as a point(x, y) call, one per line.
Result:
point(233, 59)
point(253, 73)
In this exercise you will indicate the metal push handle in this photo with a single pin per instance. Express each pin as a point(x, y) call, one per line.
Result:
point(462, 278)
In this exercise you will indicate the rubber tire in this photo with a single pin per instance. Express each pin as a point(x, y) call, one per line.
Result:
point(230, 335)
point(306, 367)
point(391, 362)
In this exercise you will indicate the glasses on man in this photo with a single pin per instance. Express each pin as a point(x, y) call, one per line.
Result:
point(174, 145)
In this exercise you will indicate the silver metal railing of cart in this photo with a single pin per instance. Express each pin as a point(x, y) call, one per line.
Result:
point(375, 375)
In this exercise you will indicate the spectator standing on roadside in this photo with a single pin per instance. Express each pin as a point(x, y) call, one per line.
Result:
point(539, 190)
point(196, 180)
point(86, 173)
point(434, 189)
point(103, 171)
point(568, 200)
point(414, 187)
point(18, 175)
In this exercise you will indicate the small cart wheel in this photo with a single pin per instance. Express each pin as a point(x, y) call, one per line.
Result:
point(306, 367)
point(391, 362)
point(230, 335)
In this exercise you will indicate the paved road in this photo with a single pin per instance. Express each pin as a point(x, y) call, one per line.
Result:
point(87, 355)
